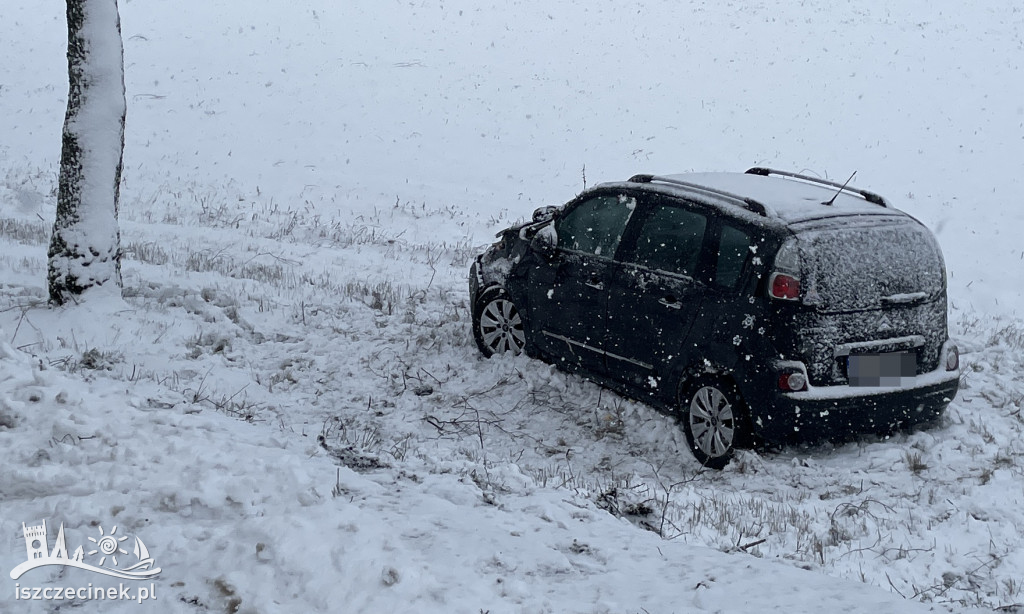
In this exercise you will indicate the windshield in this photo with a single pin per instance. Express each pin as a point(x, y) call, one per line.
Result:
point(870, 266)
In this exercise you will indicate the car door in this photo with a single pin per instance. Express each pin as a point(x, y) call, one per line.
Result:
point(656, 290)
point(569, 297)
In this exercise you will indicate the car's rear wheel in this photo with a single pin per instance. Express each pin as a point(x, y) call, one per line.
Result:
point(498, 326)
point(714, 420)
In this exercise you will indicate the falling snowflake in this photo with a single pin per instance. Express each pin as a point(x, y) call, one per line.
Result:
point(748, 322)
point(737, 340)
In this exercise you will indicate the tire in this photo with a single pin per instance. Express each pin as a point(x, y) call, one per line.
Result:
point(497, 324)
point(714, 419)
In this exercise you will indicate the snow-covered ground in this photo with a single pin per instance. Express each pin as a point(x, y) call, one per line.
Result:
point(287, 404)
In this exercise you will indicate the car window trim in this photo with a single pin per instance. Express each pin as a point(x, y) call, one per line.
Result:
point(671, 274)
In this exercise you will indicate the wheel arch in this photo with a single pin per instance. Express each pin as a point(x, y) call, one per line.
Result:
point(706, 368)
point(483, 293)
point(480, 300)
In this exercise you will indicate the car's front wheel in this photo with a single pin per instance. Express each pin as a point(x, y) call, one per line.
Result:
point(498, 326)
point(713, 416)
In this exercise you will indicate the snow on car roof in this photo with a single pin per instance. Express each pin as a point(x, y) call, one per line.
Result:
point(791, 200)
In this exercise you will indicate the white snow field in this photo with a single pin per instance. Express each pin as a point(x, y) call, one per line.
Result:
point(287, 404)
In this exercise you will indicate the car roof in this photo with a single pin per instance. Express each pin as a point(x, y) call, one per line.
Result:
point(792, 200)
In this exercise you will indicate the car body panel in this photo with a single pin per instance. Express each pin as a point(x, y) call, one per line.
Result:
point(568, 305)
point(650, 314)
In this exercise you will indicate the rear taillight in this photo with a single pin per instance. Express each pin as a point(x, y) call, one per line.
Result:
point(952, 358)
point(792, 381)
point(784, 286)
point(784, 282)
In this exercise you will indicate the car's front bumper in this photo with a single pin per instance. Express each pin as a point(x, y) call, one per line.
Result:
point(475, 281)
point(838, 412)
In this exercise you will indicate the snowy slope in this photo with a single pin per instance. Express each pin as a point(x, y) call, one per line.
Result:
point(305, 184)
point(255, 527)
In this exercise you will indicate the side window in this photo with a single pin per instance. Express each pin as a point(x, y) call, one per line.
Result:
point(733, 253)
point(671, 240)
point(595, 226)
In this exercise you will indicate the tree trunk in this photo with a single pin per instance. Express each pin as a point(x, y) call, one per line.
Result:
point(85, 250)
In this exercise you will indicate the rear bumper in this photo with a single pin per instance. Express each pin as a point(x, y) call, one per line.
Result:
point(838, 412)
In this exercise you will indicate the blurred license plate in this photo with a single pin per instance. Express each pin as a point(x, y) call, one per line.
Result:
point(889, 369)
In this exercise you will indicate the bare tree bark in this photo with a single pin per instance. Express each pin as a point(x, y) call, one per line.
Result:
point(85, 250)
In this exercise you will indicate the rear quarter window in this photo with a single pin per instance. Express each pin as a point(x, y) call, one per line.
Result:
point(733, 254)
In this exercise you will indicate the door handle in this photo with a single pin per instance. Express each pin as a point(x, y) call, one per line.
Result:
point(595, 284)
point(670, 302)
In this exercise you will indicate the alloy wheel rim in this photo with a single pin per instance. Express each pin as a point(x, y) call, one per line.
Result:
point(501, 327)
point(712, 421)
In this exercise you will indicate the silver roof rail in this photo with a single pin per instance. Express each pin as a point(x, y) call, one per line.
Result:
point(871, 197)
point(747, 203)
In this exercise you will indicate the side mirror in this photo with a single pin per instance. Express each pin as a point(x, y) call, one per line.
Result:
point(545, 242)
point(542, 214)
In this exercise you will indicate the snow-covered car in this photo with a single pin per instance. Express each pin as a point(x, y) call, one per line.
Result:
point(763, 306)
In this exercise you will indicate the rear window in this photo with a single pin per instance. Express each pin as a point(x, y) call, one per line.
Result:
point(869, 266)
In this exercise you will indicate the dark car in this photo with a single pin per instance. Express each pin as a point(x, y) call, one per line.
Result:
point(763, 306)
